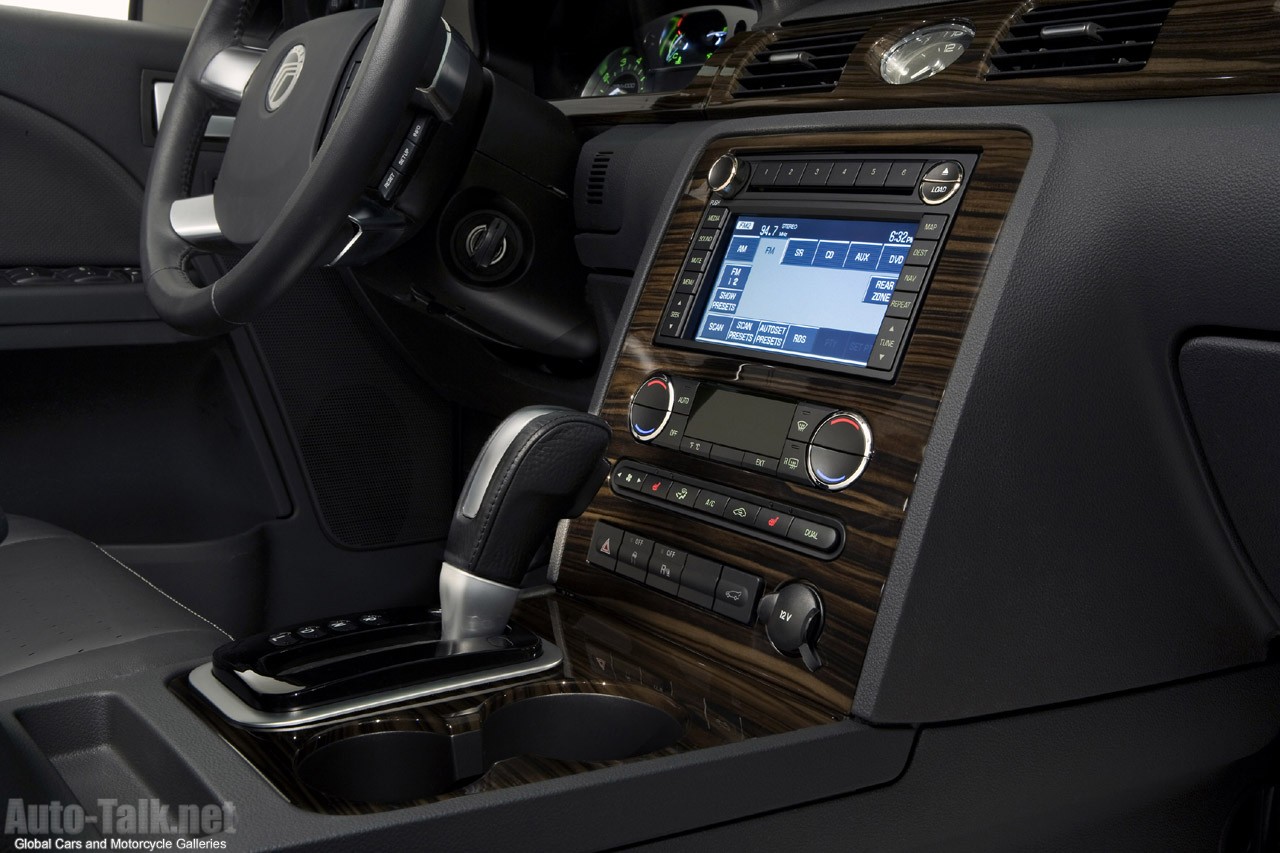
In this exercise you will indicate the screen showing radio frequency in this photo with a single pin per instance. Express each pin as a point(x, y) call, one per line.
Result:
point(805, 287)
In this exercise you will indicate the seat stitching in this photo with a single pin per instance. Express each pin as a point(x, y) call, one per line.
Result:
point(162, 592)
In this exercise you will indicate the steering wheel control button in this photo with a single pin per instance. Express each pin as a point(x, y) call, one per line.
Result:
point(736, 595)
point(665, 568)
point(418, 129)
point(813, 534)
point(282, 638)
point(310, 632)
point(404, 157)
point(341, 626)
point(844, 431)
point(728, 176)
point(390, 185)
point(606, 541)
point(793, 621)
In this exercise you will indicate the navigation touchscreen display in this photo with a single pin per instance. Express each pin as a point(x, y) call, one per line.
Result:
point(806, 287)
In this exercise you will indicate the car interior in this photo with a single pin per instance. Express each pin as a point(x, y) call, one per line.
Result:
point(388, 461)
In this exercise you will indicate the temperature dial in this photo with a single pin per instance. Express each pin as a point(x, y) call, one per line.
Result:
point(839, 450)
point(651, 407)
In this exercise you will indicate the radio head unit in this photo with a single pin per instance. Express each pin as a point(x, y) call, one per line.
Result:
point(823, 275)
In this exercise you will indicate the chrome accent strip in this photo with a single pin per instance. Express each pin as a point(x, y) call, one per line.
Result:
point(195, 220)
point(472, 606)
point(227, 74)
point(494, 449)
point(219, 127)
point(450, 81)
point(234, 708)
point(355, 238)
point(866, 456)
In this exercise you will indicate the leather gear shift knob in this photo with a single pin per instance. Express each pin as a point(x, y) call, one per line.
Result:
point(540, 465)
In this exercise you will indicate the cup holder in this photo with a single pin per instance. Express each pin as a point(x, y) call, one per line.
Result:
point(578, 727)
point(399, 758)
point(380, 766)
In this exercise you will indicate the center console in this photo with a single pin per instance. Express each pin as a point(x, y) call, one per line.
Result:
point(765, 415)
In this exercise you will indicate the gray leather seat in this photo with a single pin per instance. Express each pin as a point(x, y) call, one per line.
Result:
point(71, 613)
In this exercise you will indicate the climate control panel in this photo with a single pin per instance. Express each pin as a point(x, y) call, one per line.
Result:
point(804, 443)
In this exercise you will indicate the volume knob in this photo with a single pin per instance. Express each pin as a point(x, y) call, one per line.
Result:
point(728, 176)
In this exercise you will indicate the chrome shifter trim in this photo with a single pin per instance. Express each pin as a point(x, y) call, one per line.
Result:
point(472, 606)
point(234, 708)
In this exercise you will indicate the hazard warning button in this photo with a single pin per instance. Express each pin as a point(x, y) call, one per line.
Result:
point(605, 542)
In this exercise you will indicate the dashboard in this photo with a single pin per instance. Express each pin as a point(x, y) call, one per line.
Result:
point(574, 49)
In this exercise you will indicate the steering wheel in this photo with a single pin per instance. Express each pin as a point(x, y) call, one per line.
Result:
point(315, 114)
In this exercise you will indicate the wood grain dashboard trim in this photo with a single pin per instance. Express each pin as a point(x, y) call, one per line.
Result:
point(901, 416)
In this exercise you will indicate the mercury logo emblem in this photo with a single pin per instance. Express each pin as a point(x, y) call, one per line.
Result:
point(286, 77)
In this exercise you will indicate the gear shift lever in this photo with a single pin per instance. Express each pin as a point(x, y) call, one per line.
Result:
point(540, 465)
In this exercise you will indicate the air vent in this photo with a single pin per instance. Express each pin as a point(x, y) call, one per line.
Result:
point(597, 175)
point(795, 65)
point(1090, 38)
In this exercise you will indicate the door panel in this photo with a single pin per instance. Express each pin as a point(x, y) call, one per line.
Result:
point(74, 128)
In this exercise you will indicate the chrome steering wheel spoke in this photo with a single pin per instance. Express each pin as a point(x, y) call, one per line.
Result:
point(227, 75)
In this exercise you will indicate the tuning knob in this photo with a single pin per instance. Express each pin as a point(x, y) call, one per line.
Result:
point(728, 176)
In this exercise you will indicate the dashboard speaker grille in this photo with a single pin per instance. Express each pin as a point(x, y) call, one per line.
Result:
point(1090, 38)
point(376, 443)
point(797, 64)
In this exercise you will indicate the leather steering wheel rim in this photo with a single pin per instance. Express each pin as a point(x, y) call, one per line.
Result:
point(317, 208)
